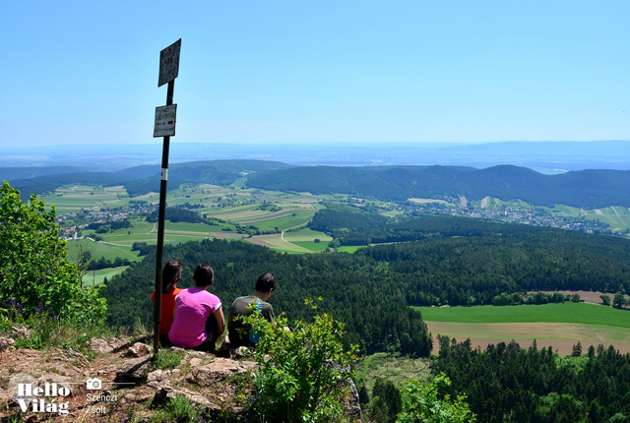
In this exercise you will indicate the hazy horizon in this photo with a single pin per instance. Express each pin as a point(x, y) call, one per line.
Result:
point(545, 157)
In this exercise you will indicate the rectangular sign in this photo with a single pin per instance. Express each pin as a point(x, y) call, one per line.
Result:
point(169, 63)
point(165, 121)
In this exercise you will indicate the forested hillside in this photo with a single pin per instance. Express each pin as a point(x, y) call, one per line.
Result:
point(473, 270)
point(587, 188)
point(142, 179)
point(509, 383)
point(354, 226)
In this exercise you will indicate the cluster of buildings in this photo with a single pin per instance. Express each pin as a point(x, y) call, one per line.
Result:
point(73, 223)
point(537, 216)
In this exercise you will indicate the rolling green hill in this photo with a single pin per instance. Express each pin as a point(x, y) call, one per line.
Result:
point(586, 188)
point(143, 179)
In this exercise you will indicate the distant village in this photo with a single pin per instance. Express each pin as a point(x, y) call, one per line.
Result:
point(72, 224)
point(536, 216)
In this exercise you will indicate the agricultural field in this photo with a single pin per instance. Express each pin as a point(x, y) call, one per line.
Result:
point(492, 202)
point(297, 241)
point(99, 249)
point(143, 231)
point(307, 238)
point(423, 201)
point(285, 215)
point(618, 218)
point(557, 325)
point(96, 277)
point(278, 243)
point(75, 197)
point(350, 249)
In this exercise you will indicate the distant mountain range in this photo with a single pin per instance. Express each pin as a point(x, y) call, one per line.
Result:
point(584, 188)
point(140, 179)
point(549, 157)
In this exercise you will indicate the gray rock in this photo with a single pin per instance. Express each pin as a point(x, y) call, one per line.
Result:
point(134, 371)
point(217, 370)
point(164, 394)
point(155, 375)
point(6, 343)
point(100, 345)
point(138, 350)
point(21, 331)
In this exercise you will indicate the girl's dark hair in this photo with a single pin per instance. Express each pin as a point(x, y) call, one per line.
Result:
point(203, 275)
point(171, 274)
point(266, 282)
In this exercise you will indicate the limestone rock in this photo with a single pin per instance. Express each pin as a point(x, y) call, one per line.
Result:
point(20, 331)
point(6, 343)
point(134, 371)
point(218, 370)
point(164, 394)
point(100, 345)
point(139, 350)
point(139, 395)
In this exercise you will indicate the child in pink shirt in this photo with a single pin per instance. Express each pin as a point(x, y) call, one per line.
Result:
point(198, 319)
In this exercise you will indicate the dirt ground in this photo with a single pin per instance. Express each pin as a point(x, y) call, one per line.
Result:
point(560, 336)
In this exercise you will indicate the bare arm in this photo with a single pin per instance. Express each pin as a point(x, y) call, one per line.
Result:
point(218, 314)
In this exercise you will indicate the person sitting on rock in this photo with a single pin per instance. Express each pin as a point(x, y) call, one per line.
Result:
point(171, 276)
point(198, 320)
point(241, 333)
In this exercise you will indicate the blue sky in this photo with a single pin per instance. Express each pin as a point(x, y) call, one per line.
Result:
point(325, 71)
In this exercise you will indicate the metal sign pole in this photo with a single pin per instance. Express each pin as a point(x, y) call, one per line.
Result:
point(164, 126)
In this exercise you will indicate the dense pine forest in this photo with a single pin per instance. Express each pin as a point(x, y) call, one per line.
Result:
point(507, 383)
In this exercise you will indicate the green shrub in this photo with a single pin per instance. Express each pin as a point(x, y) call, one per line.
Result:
point(35, 274)
point(423, 403)
point(301, 372)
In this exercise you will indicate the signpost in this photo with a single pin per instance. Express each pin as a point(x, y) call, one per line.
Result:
point(165, 118)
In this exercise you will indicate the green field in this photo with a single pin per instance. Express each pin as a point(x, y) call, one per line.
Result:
point(298, 241)
point(305, 238)
point(276, 242)
point(557, 325)
point(290, 219)
point(100, 249)
point(589, 314)
point(350, 249)
point(143, 231)
point(118, 243)
point(96, 277)
point(75, 197)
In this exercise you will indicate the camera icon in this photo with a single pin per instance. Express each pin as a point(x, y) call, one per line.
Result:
point(93, 383)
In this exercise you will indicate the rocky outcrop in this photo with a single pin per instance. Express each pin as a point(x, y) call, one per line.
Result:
point(123, 380)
